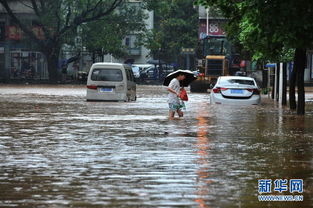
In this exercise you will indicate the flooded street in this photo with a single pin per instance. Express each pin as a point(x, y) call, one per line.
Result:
point(57, 150)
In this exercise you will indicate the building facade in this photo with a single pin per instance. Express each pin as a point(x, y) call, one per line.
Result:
point(210, 23)
point(138, 54)
point(19, 58)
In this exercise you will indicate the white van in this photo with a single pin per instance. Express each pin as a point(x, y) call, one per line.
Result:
point(111, 82)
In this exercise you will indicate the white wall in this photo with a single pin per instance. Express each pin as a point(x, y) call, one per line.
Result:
point(19, 6)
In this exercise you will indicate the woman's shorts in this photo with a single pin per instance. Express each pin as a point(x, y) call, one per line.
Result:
point(176, 106)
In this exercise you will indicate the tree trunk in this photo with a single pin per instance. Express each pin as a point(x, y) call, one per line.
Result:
point(292, 85)
point(300, 62)
point(52, 60)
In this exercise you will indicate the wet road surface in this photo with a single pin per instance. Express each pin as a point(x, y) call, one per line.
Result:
point(57, 150)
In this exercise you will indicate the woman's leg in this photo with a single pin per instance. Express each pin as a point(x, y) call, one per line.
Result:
point(180, 113)
point(171, 114)
point(171, 111)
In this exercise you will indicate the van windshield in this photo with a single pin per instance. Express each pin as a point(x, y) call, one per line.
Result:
point(113, 75)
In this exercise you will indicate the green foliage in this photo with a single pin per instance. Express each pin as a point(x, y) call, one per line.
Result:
point(62, 20)
point(176, 26)
point(107, 33)
point(268, 29)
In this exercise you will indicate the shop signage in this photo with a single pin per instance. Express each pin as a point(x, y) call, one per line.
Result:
point(187, 51)
point(214, 29)
point(14, 33)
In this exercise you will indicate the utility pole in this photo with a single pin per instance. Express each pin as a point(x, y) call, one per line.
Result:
point(207, 21)
point(284, 97)
point(280, 90)
point(268, 80)
point(275, 82)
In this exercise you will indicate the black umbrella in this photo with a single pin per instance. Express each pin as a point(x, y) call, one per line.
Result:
point(190, 77)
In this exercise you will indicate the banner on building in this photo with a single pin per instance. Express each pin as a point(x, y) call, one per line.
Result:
point(215, 28)
point(14, 32)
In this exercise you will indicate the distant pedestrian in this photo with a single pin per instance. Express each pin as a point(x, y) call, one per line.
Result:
point(174, 102)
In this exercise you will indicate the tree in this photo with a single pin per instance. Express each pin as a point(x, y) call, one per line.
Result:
point(176, 26)
point(107, 38)
point(59, 20)
point(269, 27)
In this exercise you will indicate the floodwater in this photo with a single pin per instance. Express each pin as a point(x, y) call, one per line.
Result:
point(57, 150)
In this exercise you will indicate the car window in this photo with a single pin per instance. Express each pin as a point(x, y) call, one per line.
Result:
point(236, 81)
point(114, 75)
point(135, 69)
point(149, 68)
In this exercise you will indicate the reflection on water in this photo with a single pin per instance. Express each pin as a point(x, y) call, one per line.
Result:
point(204, 171)
point(56, 150)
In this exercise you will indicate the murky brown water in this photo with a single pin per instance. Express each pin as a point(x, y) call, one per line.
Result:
point(56, 150)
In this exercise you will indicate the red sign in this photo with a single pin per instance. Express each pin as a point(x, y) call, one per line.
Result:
point(214, 29)
point(14, 33)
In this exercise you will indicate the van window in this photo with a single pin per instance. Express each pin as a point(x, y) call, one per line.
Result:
point(113, 75)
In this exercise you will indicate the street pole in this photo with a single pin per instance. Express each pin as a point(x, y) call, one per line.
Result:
point(207, 21)
point(268, 80)
point(275, 82)
point(280, 94)
point(159, 69)
point(284, 100)
point(188, 61)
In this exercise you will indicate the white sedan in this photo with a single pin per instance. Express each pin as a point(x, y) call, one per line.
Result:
point(235, 90)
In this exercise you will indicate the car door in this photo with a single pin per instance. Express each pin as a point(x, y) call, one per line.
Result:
point(151, 73)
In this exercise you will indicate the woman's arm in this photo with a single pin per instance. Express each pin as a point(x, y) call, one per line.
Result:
point(172, 91)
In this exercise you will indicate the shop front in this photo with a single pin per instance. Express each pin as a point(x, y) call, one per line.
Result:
point(19, 58)
point(26, 64)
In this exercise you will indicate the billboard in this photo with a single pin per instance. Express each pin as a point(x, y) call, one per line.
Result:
point(215, 28)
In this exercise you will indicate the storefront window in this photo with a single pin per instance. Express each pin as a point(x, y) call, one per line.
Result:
point(28, 65)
